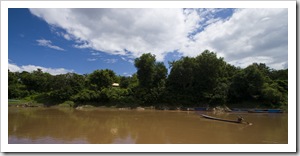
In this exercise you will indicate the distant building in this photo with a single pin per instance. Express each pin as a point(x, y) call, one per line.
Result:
point(115, 84)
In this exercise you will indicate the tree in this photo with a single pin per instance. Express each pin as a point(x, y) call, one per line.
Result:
point(271, 95)
point(238, 87)
point(129, 82)
point(145, 70)
point(193, 81)
point(200, 79)
point(181, 77)
point(255, 80)
point(160, 75)
point(279, 74)
point(15, 88)
point(263, 68)
point(100, 79)
point(152, 76)
point(208, 71)
point(63, 86)
point(247, 84)
point(219, 95)
point(180, 82)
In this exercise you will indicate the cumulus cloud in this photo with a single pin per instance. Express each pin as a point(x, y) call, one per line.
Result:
point(250, 35)
point(247, 34)
point(48, 43)
point(30, 68)
point(123, 31)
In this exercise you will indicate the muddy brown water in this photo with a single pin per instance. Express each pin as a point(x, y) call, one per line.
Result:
point(111, 126)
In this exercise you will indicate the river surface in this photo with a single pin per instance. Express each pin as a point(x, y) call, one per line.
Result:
point(112, 126)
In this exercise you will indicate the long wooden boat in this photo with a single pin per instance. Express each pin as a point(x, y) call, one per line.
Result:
point(219, 119)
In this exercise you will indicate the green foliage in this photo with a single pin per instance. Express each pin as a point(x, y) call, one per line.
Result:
point(145, 70)
point(160, 74)
point(208, 72)
point(200, 79)
point(100, 79)
point(87, 95)
point(255, 80)
point(247, 84)
point(279, 74)
point(116, 95)
point(151, 77)
point(204, 80)
point(271, 95)
point(181, 78)
point(129, 82)
point(219, 95)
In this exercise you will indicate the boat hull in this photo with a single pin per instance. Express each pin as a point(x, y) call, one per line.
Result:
point(219, 119)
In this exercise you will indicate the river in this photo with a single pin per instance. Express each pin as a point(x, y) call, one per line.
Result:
point(112, 126)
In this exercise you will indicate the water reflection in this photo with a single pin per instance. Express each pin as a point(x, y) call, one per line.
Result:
point(103, 126)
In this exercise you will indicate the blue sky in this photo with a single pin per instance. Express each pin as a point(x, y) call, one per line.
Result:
point(25, 30)
point(83, 40)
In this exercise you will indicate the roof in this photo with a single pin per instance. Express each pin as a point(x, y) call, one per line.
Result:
point(115, 84)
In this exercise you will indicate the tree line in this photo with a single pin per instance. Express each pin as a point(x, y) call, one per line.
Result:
point(204, 80)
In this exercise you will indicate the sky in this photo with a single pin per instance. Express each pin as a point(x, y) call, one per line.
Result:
point(66, 40)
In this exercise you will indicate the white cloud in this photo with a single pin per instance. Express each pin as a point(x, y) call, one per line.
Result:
point(244, 62)
point(95, 53)
point(250, 35)
point(116, 30)
point(91, 59)
point(130, 60)
point(127, 74)
point(82, 46)
point(67, 36)
point(110, 60)
point(246, 35)
point(48, 43)
point(30, 68)
point(13, 67)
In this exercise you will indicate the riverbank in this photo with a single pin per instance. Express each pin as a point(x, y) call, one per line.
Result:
point(72, 105)
point(23, 103)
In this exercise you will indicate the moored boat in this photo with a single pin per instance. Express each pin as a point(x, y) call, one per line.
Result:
point(265, 111)
point(239, 120)
point(275, 111)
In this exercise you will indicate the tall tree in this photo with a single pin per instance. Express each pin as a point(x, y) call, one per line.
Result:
point(182, 73)
point(210, 74)
point(152, 76)
point(145, 69)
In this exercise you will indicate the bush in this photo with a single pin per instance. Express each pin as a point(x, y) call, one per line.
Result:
point(67, 104)
point(271, 95)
